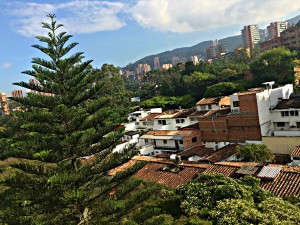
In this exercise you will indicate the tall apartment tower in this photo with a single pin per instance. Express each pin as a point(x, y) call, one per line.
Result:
point(4, 110)
point(215, 50)
point(175, 60)
point(156, 63)
point(275, 28)
point(17, 94)
point(250, 35)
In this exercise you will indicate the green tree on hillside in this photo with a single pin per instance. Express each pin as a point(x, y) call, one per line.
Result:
point(276, 64)
point(75, 116)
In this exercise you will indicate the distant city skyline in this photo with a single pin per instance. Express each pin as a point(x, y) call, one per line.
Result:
point(119, 32)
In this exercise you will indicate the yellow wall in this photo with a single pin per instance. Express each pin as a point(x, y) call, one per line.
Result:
point(281, 145)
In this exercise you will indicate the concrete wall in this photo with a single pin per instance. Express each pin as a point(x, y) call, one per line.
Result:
point(281, 145)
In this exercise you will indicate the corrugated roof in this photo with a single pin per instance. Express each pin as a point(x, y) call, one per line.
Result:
point(269, 172)
point(247, 170)
point(296, 151)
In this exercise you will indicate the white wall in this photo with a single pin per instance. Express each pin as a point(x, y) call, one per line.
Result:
point(171, 124)
point(267, 100)
point(215, 145)
point(234, 98)
point(205, 107)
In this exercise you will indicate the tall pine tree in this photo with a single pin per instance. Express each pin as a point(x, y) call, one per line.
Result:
point(70, 114)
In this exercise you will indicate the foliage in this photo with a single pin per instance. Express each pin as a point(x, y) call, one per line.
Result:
point(73, 116)
point(169, 102)
point(221, 89)
point(274, 65)
point(255, 153)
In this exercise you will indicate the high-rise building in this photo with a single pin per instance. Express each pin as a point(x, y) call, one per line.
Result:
point(251, 36)
point(156, 63)
point(215, 50)
point(194, 59)
point(4, 110)
point(175, 60)
point(275, 28)
point(17, 94)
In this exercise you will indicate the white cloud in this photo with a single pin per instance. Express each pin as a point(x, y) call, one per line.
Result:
point(6, 65)
point(196, 15)
point(78, 16)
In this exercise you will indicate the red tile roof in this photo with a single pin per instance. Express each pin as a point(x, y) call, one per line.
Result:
point(200, 151)
point(154, 172)
point(208, 101)
point(296, 151)
point(227, 171)
point(150, 117)
point(285, 184)
point(222, 154)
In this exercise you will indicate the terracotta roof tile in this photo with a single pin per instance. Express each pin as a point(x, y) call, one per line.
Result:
point(227, 171)
point(288, 103)
point(285, 184)
point(222, 154)
point(208, 101)
point(200, 151)
point(296, 151)
point(170, 132)
point(152, 116)
point(154, 172)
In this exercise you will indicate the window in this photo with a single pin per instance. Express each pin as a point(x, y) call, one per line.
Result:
point(179, 120)
point(163, 122)
point(181, 142)
point(209, 106)
point(294, 113)
point(236, 103)
point(298, 124)
point(202, 107)
point(286, 113)
point(194, 139)
point(165, 141)
point(280, 124)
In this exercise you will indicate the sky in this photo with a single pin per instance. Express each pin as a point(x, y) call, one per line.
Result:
point(122, 31)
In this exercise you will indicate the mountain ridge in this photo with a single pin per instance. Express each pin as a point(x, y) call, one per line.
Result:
point(231, 43)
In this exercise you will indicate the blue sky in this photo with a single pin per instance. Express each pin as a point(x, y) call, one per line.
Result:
point(123, 31)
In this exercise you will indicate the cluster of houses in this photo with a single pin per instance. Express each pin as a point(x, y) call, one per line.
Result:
point(179, 144)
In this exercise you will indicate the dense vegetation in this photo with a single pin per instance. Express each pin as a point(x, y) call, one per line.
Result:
point(185, 84)
point(55, 153)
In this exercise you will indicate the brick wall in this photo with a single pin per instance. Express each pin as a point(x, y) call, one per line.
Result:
point(248, 103)
point(188, 143)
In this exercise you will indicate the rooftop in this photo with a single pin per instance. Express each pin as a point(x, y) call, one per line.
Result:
point(222, 154)
point(292, 103)
point(156, 172)
point(200, 151)
point(219, 112)
point(152, 116)
point(215, 100)
point(296, 151)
